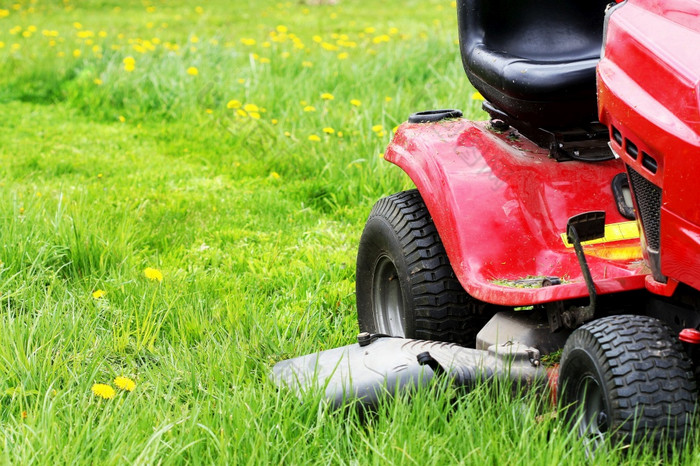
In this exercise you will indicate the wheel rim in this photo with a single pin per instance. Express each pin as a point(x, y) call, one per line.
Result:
point(593, 424)
point(387, 299)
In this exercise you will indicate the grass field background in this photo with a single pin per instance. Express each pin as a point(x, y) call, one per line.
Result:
point(236, 148)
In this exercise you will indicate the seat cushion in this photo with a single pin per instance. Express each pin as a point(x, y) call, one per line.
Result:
point(534, 59)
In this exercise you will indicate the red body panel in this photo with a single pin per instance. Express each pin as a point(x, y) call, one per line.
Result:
point(648, 86)
point(501, 204)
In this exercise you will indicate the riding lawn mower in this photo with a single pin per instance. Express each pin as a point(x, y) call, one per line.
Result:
point(566, 224)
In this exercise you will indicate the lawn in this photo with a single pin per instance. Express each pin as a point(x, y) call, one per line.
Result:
point(182, 191)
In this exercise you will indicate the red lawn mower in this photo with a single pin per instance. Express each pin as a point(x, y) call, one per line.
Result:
point(568, 221)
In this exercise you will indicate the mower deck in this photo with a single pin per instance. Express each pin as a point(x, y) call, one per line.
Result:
point(501, 206)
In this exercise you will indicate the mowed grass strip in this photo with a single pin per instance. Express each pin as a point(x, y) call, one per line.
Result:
point(235, 148)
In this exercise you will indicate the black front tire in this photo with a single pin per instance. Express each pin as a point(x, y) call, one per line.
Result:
point(628, 377)
point(405, 285)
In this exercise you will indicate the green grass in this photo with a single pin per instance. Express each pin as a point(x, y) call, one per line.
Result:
point(105, 172)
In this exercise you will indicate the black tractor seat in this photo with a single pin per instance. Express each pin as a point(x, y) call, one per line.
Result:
point(534, 60)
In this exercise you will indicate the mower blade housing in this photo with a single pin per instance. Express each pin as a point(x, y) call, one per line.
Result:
point(393, 365)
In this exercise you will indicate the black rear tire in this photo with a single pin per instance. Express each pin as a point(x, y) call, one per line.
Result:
point(405, 285)
point(626, 376)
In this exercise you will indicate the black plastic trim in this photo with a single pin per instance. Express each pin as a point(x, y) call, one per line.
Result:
point(430, 116)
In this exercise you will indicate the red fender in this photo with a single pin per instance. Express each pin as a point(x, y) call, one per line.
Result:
point(501, 205)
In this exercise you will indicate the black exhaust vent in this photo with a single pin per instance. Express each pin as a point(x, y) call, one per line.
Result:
point(648, 197)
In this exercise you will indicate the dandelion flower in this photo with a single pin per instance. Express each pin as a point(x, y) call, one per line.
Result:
point(328, 130)
point(477, 96)
point(314, 138)
point(387, 99)
point(97, 294)
point(153, 274)
point(343, 56)
point(355, 102)
point(377, 128)
point(274, 121)
point(97, 81)
point(125, 383)
point(327, 96)
point(251, 108)
point(77, 53)
point(275, 175)
point(254, 115)
point(103, 391)
point(309, 108)
point(233, 104)
point(192, 71)
point(307, 64)
point(129, 64)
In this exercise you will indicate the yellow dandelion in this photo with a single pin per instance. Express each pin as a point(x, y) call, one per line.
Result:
point(153, 274)
point(251, 108)
point(103, 391)
point(328, 130)
point(275, 175)
point(381, 155)
point(477, 96)
point(97, 294)
point(339, 134)
point(377, 128)
point(248, 42)
point(241, 112)
point(199, 10)
point(77, 53)
point(241, 81)
point(125, 383)
point(129, 63)
point(254, 115)
point(355, 102)
point(307, 64)
point(97, 81)
point(234, 104)
point(274, 121)
point(343, 56)
point(264, 60)
point(309, 108)
point(192, 71)
point(387, 99)
point(314, 138)
point(327, 96)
